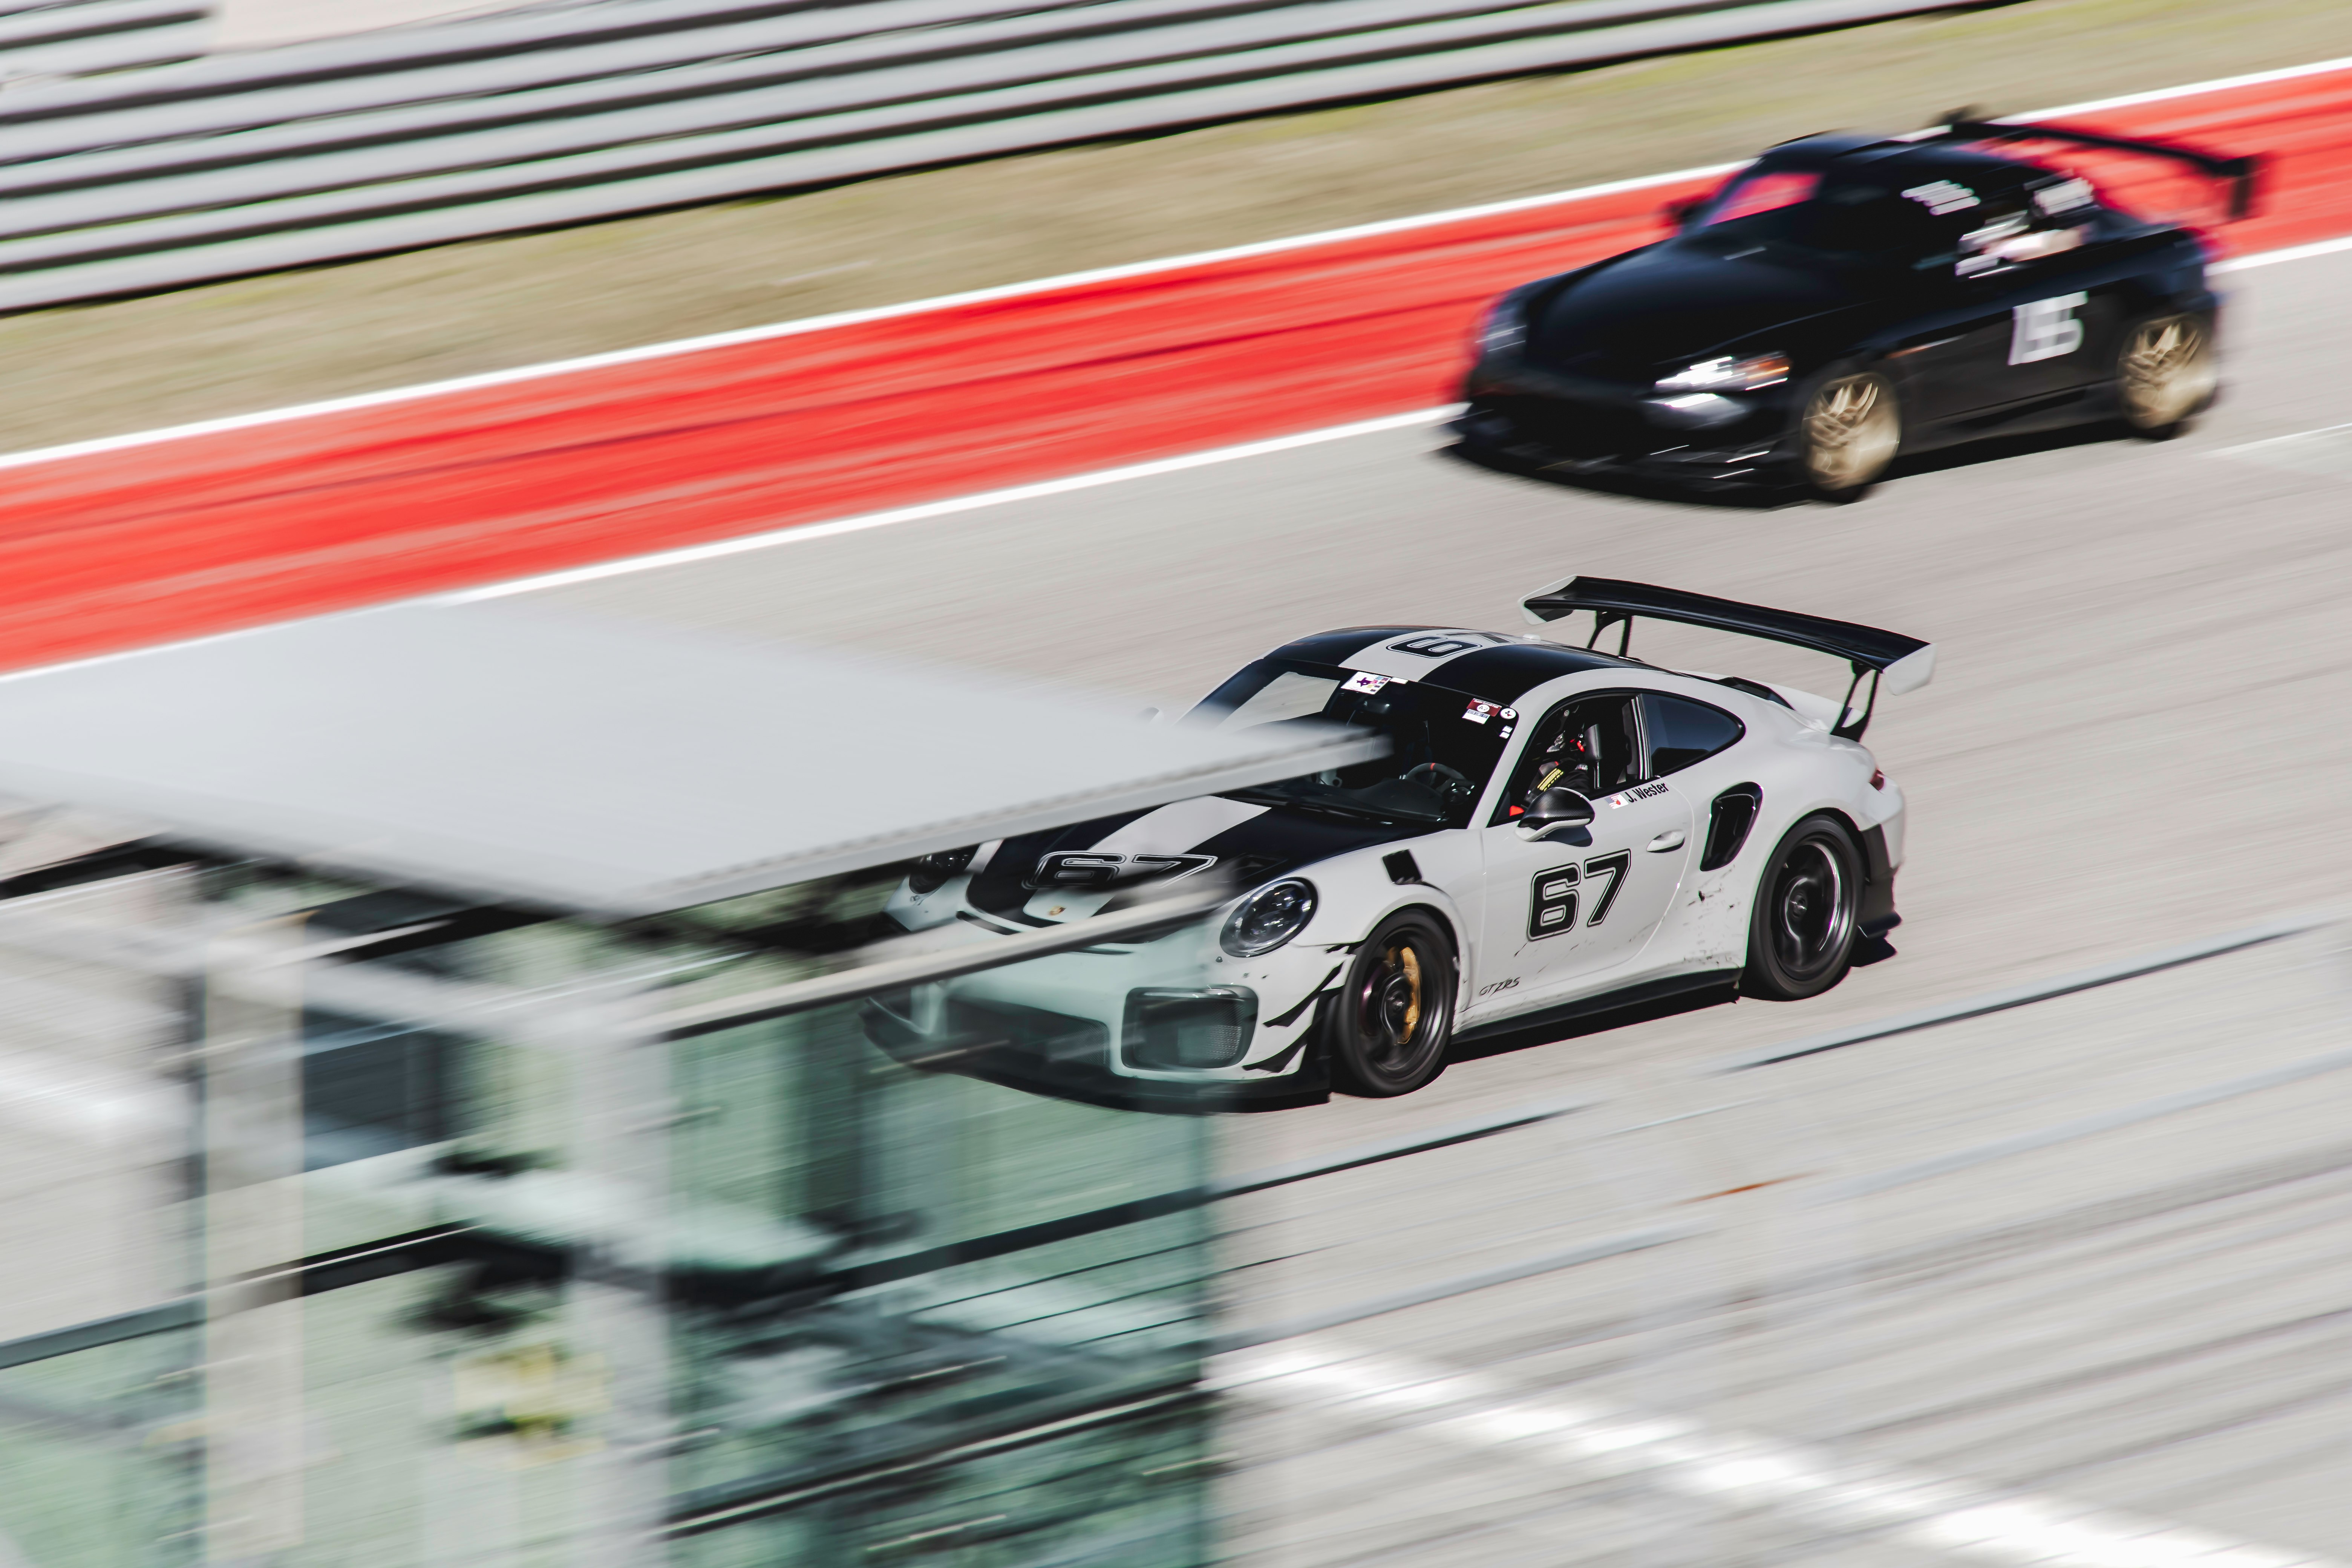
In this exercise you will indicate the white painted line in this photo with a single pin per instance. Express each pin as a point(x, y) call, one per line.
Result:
point(2279, 440)
point(2286, 253)
point(1832, 1498)
point(808, 531)
point(1015, 290)
point(839, 319)
point(2218, 84)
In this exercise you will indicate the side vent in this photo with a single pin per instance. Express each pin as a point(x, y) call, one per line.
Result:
point(1402, 870)
point(1728, 820)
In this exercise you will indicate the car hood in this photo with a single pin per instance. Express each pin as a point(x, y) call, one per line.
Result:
point(1673, 303)
point(1094, 867)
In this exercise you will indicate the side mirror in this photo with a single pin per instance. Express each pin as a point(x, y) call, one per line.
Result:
point(1679, 214)
point(1555, 809)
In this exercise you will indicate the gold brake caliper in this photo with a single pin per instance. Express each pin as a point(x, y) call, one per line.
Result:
point(1411, 962)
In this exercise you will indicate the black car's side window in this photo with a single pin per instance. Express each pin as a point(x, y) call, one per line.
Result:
point(1589, 744)
point(1681, 731)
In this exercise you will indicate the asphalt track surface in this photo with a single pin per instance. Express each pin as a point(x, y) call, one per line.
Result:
point(2137, 736)
point(142, 540)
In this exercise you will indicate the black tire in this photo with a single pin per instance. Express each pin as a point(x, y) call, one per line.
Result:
point(1386, 1032)
point(2166, 372)
point(1849, 432)
point(1806, 914)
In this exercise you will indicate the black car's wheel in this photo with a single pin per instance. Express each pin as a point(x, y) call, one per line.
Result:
point(1801, 933)
point(2166, 372)
point(1848, 431)
point(1388, 1029)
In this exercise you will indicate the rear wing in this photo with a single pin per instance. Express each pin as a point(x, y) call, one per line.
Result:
point(2242, 173)
point(1898, 663)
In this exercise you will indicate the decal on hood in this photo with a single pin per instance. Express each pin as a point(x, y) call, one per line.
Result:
point(1085, 871)
point(1127, 857)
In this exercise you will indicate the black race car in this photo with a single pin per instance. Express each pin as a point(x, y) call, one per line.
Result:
point(1846, 299)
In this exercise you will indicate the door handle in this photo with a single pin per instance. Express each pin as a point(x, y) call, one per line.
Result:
point(1665, 841)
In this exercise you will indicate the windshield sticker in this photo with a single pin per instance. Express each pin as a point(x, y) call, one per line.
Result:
point(1365, 681)
point(1942, 196)
point(1479, 712)
point(1631, 795)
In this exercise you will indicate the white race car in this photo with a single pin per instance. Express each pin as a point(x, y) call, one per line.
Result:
point(1554, 830)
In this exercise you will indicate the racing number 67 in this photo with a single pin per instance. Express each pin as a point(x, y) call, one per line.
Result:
point(1551, 904)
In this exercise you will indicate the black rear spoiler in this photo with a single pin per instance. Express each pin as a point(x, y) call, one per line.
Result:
point(1899, 663)
point(2242, 173)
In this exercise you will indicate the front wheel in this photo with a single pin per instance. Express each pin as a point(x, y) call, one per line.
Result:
point(1800, 936)
point(1848, 432)
point(1389, 1026)
point(2166, 374)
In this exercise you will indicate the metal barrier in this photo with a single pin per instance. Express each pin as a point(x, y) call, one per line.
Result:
point(326, 151)
point(45, 38)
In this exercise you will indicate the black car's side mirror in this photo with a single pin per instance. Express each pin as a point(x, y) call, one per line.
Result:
point(1555, 809)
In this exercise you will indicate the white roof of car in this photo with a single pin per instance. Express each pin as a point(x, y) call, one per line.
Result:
point(502, 752)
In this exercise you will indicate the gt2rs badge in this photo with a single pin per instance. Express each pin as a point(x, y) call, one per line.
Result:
point(2046, 329)
point(1082, 871)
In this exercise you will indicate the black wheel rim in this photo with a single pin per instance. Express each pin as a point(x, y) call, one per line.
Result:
point(1812, 910)
point(1395, 1006)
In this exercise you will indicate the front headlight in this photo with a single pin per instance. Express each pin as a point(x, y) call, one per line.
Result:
point(1268, 918)
point(1725, 373)
point(1504, 327)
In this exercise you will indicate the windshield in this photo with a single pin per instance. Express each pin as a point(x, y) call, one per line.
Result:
point(1442, 744)
point(1840, 217)
point(1895, 217)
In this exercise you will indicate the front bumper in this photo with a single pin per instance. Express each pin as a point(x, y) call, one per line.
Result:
point(1707, 440)
point(1145, 1027)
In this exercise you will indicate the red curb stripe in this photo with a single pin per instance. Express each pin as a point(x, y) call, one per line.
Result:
point(151, 543)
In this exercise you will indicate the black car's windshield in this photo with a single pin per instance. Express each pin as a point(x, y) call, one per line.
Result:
point(1910, 219)
point(1835, 216)
point(1442, 744)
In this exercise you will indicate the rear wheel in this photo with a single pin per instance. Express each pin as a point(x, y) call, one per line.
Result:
point(1848, 433)
point(2166, 372)
point(1807, 901)
point(1388, 1029)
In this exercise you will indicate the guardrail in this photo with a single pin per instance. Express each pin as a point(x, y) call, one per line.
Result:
point(44, 38)
point(327, 150)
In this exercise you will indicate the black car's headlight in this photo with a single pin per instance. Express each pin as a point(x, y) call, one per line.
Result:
point(1268, 918)
point(1503, 328)
point(933, 872)
point(1724, 374)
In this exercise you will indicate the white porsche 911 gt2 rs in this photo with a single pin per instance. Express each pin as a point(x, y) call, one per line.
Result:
point(1554, 830)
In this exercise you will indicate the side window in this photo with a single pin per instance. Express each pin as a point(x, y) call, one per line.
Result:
point(1586, 744)
point(1681, 731)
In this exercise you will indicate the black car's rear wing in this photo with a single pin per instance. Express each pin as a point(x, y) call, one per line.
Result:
point(1898, 663)
point(2242, 173)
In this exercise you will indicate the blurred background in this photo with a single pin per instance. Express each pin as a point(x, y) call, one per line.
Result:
point(524, 526)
